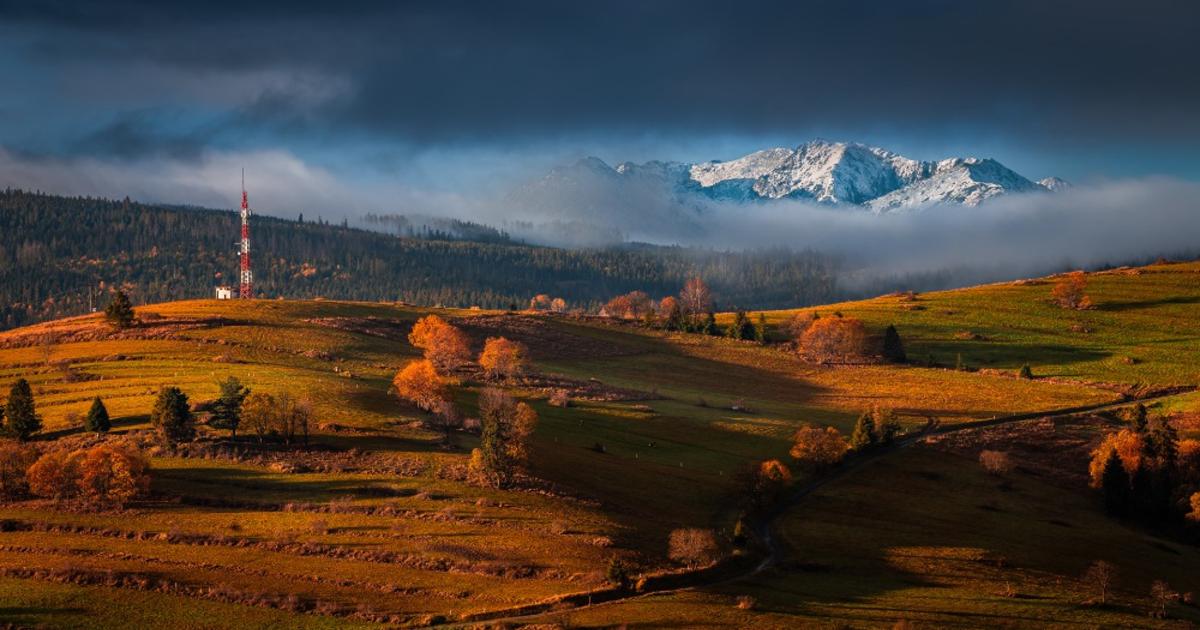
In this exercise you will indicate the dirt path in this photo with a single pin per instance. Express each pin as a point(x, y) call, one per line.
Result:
point(766, 530)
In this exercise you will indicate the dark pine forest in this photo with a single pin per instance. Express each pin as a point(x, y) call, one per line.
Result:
point(60, 256)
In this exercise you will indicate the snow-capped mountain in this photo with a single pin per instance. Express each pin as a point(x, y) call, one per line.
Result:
point(828, 173)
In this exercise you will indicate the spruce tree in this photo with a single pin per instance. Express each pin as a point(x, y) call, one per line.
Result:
point(1114, 482)
point(171, 416)
point(227, 410)
point(760, 329)
point(21, 419)
point(864, 435)
point(97, 420)
point(893, 348)
point(496, 410)
point(119, 312)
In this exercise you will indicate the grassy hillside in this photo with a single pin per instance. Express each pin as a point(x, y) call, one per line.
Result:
point(1143, 327)
point(377, 524)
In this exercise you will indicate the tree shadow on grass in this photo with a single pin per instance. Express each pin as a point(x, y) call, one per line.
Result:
point(258, 485)
point(1136, 305)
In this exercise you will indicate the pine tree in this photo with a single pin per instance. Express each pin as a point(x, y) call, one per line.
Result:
point(864, 435)
point(496, 410)
point(1115, 485)
point(710, 324)
point(21, 416)
point(893, 348)
point(171, 416)
point(119, 312)
point(760, 329)
point(227, 410)
point(1025, 372)
point(1137, 416)
point(97, 420)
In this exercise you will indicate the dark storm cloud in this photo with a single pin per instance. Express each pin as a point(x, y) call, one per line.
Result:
point(1049, 73)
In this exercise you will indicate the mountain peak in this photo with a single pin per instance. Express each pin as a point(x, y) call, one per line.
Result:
point(834, 173)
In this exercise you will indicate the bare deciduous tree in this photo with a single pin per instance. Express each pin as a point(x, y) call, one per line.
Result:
point(693, 547)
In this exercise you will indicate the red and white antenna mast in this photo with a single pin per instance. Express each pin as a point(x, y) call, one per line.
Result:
point(246, 291)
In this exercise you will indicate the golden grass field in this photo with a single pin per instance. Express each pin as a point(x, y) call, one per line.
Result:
point(382, 528)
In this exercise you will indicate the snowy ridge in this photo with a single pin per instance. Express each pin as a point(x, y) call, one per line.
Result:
point(829, 173)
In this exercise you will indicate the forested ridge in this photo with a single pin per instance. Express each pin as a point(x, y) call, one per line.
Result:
point(60, 255)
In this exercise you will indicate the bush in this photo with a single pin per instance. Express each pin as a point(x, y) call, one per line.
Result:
point(112, 477)
point(1025, 372)
point(55, 475)
point(817, 449)
point(834, 340)
point(618, 573)
point(15, 460)
point(995, 462)
point(559, 398)
point(693, 547)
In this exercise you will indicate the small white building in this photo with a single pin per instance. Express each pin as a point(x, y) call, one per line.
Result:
point(224, 293)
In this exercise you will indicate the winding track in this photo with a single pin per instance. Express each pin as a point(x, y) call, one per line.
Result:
point(766, 529)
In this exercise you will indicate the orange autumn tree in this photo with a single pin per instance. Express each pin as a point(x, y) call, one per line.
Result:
point(444, 345)
point(834, 340)
point(1128, 445)
point(503, 359)
point(420, 384)
point(632, 305)
point(816, 448)
point(111, 476)
point(1068, 292)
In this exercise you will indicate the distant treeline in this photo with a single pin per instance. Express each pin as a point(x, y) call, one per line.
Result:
point(60, 255)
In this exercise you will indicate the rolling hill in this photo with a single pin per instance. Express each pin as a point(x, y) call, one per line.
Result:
point(376, 524)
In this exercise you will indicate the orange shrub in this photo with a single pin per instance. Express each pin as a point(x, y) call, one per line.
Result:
point(633, 305)
point(15, 460)
point(834, 339)
point(55, 475)
point(817, 448)
point(502, 358)
point(540, 302)
point(103, 476)
point(111, 476)
point(420, 384)
point(444, 345)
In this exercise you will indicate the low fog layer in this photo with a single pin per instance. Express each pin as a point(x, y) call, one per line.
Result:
point(1012, 236)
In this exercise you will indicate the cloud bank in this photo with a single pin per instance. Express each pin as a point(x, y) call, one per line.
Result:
point(1109, 222)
